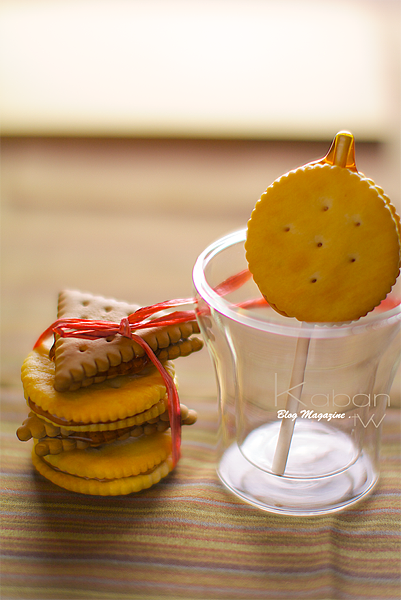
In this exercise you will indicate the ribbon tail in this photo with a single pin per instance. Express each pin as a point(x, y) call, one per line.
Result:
point(174, 410)
point(46, 334)
point(233, 283)
point(147, 311)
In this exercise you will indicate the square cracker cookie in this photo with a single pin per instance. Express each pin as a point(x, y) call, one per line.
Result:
point(80, 362)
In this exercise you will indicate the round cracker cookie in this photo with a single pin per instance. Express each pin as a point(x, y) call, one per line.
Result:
point(75, 426)
point(323, 244)
point(115, 487)
point(116, 469)
point(112, 400)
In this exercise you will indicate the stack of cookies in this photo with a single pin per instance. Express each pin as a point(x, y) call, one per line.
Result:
point(99, 408)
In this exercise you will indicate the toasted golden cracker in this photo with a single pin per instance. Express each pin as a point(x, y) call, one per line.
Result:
point(103, 486)
point(123, 458)
point(112, 400)
point(51, 438)
point(323, 244)
point(120, 468)
point(41, 423)
point(82, 362)
point(93, 487)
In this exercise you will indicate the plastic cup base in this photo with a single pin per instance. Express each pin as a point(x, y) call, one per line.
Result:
point(295, 496)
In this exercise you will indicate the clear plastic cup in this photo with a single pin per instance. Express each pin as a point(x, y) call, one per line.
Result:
point(327, 424)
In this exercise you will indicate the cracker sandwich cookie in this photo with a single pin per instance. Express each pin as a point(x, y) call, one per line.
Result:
point(99, 408)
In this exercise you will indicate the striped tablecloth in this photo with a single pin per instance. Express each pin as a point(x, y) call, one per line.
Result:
point(188, 537)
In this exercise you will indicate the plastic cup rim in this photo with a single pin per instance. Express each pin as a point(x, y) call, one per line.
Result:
point(294, 327)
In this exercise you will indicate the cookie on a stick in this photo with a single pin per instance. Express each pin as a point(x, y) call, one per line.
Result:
point(323, 241)
point(323, 246)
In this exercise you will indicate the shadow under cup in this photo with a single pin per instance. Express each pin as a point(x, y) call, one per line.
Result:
point(326, 425)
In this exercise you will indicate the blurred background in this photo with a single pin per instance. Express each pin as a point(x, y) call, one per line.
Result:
point(136, 132)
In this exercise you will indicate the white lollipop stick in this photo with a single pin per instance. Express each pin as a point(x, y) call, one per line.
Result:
point(292, 404)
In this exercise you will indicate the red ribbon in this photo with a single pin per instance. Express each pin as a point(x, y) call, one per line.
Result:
point(91, 329)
